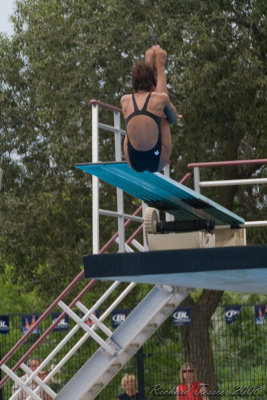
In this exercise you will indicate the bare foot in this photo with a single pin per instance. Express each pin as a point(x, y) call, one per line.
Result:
point(150, 57)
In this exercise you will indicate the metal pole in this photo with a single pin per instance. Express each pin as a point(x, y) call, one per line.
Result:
point(197, 179)
point(166, 172)
point(234, 182)
point(144, 206)
point(120, 205)
point(95, 185)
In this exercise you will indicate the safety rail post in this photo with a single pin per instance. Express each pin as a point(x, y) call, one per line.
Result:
point(120, 203)
point(166, 171)
point(197, 179)
point(95, 180)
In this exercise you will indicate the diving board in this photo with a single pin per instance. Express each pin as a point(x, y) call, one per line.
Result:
point(240, 268)
point(162, 192)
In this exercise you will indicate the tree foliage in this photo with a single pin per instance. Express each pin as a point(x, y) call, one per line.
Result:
point(65, 53)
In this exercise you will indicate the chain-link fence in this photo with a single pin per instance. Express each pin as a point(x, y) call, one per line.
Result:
point(239, 354)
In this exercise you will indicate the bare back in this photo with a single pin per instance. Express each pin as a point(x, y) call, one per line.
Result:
point(142, 130)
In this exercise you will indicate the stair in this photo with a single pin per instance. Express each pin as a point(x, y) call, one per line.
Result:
point(140, 324)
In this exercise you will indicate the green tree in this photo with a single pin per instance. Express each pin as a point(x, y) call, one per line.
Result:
point(13, 297)
point(63, 54)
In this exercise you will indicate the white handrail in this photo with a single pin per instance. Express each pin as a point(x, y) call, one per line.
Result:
point(230, 182)
point(233, 182)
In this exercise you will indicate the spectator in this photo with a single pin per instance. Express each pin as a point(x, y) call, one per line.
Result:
point(129, 386)
point(190, 388)
point(33, 364)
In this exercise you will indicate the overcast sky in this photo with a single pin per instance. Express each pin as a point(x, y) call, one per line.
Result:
point(6, 9)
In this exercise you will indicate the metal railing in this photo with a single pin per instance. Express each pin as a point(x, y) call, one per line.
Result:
point(233, 182)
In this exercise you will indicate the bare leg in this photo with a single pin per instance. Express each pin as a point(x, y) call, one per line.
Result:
point(125, 150)
point(166, 144)
point(156, 58)
point(161, 58)
point(150, 57)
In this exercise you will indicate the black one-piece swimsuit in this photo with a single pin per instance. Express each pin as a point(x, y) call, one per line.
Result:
point(145, 160)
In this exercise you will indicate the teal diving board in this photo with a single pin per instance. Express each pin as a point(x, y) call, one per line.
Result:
point(162, 192)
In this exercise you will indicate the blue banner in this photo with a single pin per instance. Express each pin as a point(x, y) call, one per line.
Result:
point(28, 321)
point(4, 324)
point(182, 316)
point(118, 316)
point(260, 314)
point(231, 313)
point(63, 324)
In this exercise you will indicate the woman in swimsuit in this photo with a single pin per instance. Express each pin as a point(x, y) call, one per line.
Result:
point(148, 113)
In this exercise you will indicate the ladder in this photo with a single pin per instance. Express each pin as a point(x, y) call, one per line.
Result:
point(127, 339)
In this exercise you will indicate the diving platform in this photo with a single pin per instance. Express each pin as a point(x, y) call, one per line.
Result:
point(162, 192)
point(236, 268)
point(226, 264)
